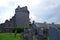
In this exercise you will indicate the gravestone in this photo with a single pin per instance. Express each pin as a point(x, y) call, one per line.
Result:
point(40, 34)
point(28, 34)
point(35, 38)
point(40, 31)
point(22, 36)
point(53, 34)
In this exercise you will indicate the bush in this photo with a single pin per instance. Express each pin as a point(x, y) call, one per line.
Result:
point(19, 29)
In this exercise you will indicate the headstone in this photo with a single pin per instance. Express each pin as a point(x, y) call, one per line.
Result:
point(53, 34)
point(21, 36)
point(45, 34)
point(35, 38)
point(40, 31)
point(28, 34)
point(40, 34)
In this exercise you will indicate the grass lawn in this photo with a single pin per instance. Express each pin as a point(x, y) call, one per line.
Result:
point(9, 36)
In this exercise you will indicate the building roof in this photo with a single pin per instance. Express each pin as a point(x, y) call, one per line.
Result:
point(47, 25)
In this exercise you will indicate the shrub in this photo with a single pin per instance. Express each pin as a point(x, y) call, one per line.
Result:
point(19, 29)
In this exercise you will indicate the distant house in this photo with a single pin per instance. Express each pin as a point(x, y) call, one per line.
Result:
point(47, 25)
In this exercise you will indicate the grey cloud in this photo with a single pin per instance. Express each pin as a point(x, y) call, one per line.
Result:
point(11, 3)
point(2, 9)
point(2, 12)
point(48, 10)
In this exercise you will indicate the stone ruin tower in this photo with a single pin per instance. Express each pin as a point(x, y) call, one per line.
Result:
point(22, 17)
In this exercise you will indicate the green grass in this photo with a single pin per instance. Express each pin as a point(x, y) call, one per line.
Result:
point(9, 36)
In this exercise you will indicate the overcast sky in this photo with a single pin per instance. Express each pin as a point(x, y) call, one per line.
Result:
point(40, 10)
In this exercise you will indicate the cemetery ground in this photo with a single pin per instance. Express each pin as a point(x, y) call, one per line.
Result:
point(9, 36)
